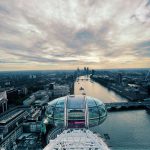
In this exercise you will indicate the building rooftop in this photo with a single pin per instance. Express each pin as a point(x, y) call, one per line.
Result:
point(11, 115)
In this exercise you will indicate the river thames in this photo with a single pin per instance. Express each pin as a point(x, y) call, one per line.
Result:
point(122, 130)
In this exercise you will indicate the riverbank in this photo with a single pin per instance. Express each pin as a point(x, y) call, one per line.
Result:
point(123, 129)
point(126, 94)
point(97, 90)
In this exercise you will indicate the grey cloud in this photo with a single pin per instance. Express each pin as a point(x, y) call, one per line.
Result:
point(143, 49)
point(44, 60)
point(12, 46)
point(7, 29)
point(12, 62)
point(4, 10)
point(74, 40)
point(42, 34)
point(144, 44)
point(80, 39)
point(148, 3)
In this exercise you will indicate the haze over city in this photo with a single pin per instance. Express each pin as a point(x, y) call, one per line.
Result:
point(66, 34)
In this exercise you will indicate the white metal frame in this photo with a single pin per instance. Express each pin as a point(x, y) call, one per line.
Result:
point(77, 140)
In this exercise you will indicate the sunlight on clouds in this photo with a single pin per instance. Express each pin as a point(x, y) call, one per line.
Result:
point(71, 33)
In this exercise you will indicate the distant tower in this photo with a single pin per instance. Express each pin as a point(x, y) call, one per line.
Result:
point(78, 71)
point(87, 71)
point(93, 72)
point(120, 78)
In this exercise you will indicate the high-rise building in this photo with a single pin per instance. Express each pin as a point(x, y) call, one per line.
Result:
point(120, 78)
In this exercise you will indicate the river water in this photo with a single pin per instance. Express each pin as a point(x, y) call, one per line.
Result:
point(127, 130)
point(96, 90)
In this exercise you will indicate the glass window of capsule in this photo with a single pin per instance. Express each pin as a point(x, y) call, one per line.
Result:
point(96, 111)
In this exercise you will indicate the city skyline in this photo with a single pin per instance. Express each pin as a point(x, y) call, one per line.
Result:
point(53, 35)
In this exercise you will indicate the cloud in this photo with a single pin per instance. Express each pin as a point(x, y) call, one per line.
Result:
point(143, 49)
point(67, 34)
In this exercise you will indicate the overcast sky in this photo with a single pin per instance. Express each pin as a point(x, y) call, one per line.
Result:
point(66, 34)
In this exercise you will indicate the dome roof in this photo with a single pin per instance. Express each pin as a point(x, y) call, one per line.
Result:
point(76, 111)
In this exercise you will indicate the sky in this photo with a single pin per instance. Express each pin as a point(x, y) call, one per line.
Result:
point(66, 34)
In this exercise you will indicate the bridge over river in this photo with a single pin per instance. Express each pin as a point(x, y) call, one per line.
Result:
point(127, 105)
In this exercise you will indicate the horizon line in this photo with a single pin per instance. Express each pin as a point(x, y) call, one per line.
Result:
point(74, 69)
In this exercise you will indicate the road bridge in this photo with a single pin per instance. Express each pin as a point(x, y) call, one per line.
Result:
point(127, 105)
